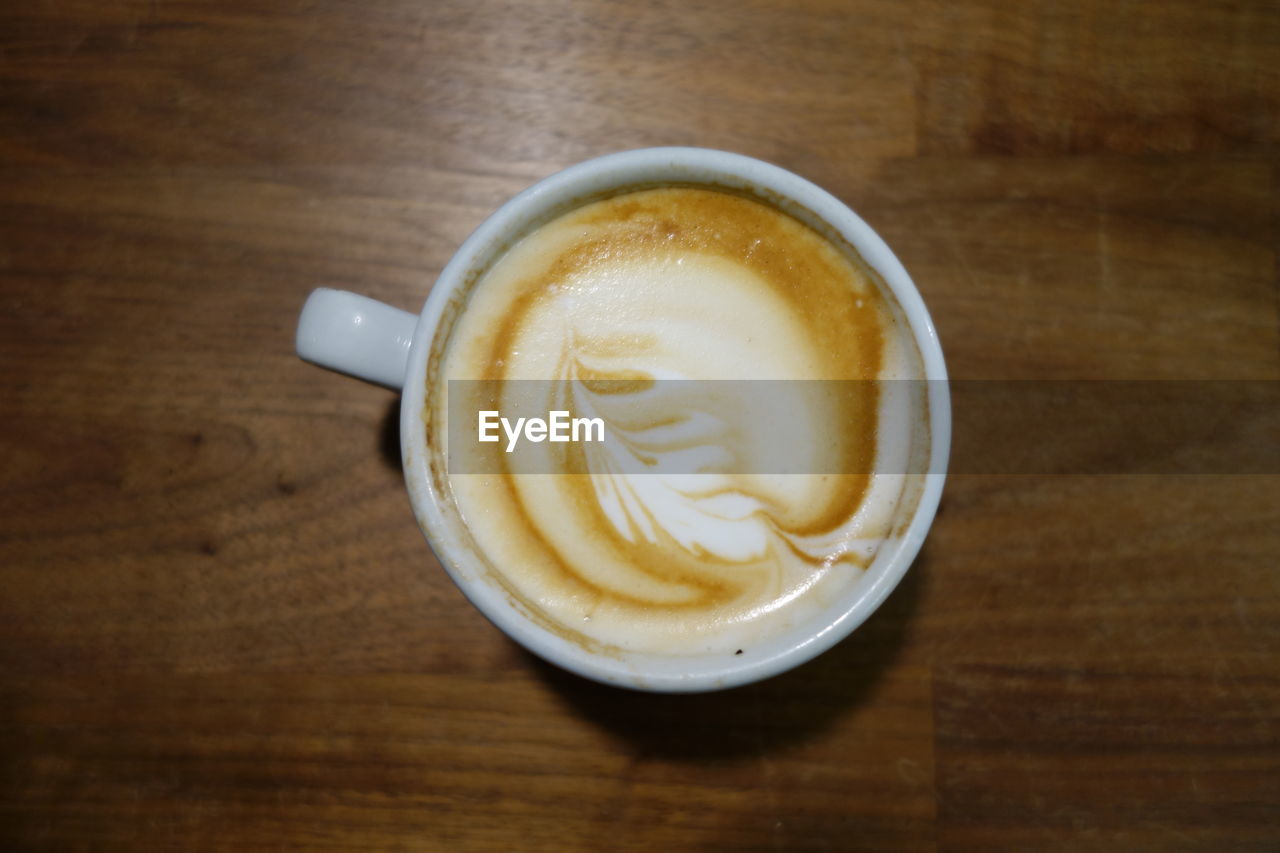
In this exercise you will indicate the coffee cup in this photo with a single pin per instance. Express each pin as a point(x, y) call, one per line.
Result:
point(674, 259)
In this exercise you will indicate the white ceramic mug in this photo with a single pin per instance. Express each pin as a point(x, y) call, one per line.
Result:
point(381, 344)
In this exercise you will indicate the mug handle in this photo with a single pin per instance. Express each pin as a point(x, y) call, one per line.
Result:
point(356, 335)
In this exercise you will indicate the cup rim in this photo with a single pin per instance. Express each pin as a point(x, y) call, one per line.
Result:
point(634, 168)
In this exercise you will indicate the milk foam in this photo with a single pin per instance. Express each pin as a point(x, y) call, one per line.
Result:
point(683, 284)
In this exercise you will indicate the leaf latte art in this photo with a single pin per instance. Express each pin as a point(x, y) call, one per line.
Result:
point(683, 318)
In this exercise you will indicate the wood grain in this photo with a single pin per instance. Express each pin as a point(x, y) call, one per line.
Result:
point(220, 627)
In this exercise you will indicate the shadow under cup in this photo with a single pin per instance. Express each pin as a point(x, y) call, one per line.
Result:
point(913, 423)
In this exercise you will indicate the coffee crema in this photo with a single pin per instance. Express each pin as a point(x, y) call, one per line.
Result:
point(622, 296)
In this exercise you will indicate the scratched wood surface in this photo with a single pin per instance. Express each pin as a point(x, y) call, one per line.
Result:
point(219, 625)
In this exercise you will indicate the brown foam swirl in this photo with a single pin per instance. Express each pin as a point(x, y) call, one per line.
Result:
point(678, 283)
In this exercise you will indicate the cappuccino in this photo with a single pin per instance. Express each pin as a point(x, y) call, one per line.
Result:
point(672, 537)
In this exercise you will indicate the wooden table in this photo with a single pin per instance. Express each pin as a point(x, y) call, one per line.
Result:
point(220, 626)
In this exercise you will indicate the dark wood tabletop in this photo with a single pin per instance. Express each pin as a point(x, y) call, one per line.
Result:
point(220, 626)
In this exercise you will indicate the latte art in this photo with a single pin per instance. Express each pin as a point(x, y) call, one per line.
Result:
point(669, 537)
